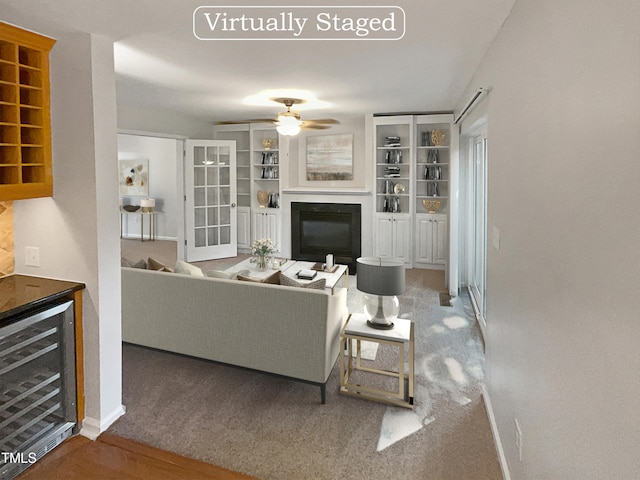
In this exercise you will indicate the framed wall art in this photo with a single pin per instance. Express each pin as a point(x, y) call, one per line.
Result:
point(330, 157)
point(134, 177)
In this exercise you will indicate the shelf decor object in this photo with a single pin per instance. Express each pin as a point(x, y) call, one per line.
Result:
point(381, 279)
point(263, 198)
point(268, 143)
point(437, 137)
point(431, 206)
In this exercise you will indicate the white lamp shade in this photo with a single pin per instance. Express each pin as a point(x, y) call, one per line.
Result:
point(380, 276)
point(148, 202)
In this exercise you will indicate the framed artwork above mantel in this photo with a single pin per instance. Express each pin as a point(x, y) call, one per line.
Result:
point(330, 158)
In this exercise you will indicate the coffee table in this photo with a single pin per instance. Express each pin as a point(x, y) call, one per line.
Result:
point(332, 278)
point(249, 264)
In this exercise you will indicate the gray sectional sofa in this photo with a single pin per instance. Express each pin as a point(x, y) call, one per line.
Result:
point(287, 331)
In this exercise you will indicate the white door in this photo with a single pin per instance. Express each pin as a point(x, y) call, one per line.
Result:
point(440, 239)
point(266, 225)
point(210, 200)
point(424, 249)
point(384, 236)
point(244, 227)
point(402, 238)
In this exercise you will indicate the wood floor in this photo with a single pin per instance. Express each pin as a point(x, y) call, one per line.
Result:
point(117, 458)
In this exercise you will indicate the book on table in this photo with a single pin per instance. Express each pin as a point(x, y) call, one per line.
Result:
point(307, 274)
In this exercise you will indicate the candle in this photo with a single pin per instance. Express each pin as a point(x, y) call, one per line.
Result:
point(329, 261)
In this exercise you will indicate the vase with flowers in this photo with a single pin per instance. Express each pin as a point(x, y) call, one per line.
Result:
point(262, 249)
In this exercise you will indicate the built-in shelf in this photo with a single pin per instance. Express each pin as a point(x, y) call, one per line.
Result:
point(25, 137)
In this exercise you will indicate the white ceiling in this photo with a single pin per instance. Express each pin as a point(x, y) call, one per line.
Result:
point(160, 64)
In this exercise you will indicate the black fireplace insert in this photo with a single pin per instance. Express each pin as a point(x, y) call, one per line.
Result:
point(321, 228)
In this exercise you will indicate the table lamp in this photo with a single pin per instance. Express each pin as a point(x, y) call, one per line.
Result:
point(147, 204)
point(382, 279)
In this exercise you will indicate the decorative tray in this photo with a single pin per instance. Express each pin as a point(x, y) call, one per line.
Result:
point(320, 267)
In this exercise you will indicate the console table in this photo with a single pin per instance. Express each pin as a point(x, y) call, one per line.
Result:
point(356, 329)
point(152, 223)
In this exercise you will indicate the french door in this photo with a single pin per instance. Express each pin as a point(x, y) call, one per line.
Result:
point(210, 200)
point(478, 237)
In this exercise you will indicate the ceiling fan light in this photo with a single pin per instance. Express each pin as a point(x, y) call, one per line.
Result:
point(288, 129)
point(289, 118)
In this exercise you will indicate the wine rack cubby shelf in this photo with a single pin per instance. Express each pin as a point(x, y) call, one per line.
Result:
point(25, 130)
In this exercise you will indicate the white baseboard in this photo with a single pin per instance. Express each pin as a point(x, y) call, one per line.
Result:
point(137, 237)
point(92, 428)
point(496, 435)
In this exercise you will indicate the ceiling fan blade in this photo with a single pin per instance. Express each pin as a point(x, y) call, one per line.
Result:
point(323, 121)
point(304, 126)
point(250, 120)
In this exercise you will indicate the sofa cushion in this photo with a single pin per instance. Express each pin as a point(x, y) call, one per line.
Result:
point(188, 269)
point(153, 264)
point(318, 284)
point(274, 278)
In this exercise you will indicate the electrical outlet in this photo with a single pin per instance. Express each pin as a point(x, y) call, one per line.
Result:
point(518, 440)
point(32, 256)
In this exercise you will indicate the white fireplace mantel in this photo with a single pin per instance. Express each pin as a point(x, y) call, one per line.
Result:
point(326, 191)
point(363, 196)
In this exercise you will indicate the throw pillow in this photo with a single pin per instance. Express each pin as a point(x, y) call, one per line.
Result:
point(220, 274)
point(188, 269)
point(128, 263)
point(318, 284)
point(273, 279)
point(153, 264)
point(225, 274)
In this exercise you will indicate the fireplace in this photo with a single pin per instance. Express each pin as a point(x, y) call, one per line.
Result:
point(321, 228)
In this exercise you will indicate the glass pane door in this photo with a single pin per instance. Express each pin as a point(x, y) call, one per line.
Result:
point(210, 190)
point(479, 198)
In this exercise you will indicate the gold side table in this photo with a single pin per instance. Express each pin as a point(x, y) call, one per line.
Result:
point(152, 223)
point(356, 330)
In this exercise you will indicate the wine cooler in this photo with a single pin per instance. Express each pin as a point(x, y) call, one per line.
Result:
point(37, 386)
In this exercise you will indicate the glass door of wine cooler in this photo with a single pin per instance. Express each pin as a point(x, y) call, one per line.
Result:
point(37, 386)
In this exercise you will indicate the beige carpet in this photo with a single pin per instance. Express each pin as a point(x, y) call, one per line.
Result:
point(273, 428)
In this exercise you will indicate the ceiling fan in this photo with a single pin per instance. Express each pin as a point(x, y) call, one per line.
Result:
point(289, 123)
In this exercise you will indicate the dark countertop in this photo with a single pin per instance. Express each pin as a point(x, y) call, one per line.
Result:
point(20, 293)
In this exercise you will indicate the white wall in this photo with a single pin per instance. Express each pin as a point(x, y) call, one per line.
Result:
point(161, 153)
point(298, 189)
point(297, 174)
point(152, 120)
point(563, 328)
point(77, 229)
